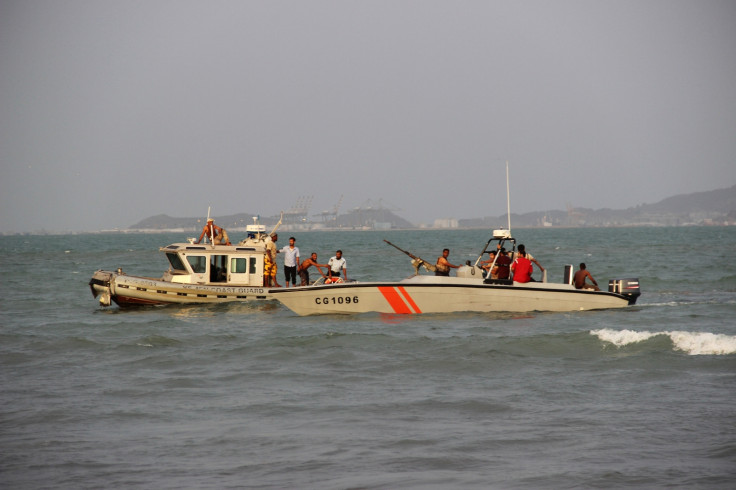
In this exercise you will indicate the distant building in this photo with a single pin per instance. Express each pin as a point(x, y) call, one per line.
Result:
point(445, 223)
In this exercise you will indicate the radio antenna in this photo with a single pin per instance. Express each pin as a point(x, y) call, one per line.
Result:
point(508, 198)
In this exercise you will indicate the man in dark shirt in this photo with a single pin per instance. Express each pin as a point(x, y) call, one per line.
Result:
point(502, 265)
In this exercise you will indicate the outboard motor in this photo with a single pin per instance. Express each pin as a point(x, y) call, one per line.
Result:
point(626, 287)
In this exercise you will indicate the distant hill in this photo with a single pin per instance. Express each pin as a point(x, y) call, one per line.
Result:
point(166, 222)
point(717, 201)
point(358, 218)
point(710, 207)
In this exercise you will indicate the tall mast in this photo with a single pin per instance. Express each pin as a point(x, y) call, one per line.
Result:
point(508, 198)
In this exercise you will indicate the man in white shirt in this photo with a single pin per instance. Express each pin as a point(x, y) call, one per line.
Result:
point(291, 261)
point(337, 264)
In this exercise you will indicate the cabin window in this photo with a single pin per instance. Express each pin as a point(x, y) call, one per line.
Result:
point(198, 263)
point(175, 262)
point(238, 265)
point(252, 265)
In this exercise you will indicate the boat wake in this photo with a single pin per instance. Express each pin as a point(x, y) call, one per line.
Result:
point(692, 343)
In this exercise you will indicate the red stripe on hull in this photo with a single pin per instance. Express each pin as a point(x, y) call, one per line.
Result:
point(409, 300)
point(395, 300)
point(128, 301)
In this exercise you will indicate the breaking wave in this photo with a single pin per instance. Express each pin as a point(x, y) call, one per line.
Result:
point(692, 343)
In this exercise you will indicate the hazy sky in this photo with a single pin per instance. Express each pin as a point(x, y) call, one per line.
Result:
point(113, 111)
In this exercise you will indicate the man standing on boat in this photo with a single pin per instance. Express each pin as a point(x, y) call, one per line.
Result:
point(443, 266)
point(215, 234)
point(291, 261)
point(269, 263)
point(581, 275)
point(336, 265)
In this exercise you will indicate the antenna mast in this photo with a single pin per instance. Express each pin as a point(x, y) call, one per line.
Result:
point(508, 198)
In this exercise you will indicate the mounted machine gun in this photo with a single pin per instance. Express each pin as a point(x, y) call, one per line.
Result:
point(417, 262)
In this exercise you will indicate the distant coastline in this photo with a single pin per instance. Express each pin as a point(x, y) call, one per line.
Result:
point(709, 208)
point(717, 207)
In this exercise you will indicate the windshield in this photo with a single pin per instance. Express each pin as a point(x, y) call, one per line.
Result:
point(175, 262)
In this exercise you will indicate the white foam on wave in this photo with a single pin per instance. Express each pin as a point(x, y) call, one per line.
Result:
point(693, 343)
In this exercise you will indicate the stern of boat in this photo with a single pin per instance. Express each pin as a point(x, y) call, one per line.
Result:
point(629, 288)
point(101, 285)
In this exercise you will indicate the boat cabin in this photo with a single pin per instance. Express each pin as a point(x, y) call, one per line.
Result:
point(232, 265)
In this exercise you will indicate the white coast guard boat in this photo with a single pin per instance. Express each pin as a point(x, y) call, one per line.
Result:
point(470, 291)
point(198, 273)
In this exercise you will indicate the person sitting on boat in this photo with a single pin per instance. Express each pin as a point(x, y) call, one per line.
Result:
point(487, 265)
point(336, 265)
point(501, 271)
point(581, 275)
point(215, 234)
point(522, 267)
point(529, 256)
point(304, 268)
point(443, 266)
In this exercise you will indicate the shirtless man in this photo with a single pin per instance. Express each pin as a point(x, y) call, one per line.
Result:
point(487, 264)
point(580, 276)
point(306, 264)
point(443, 266)
point(216, 235)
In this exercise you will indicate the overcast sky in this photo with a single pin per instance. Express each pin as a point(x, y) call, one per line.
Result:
point(114, 111)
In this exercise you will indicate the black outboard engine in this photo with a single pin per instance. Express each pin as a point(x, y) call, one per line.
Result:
point(625, 287)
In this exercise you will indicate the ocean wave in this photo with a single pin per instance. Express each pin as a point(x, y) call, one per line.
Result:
point(692, 343)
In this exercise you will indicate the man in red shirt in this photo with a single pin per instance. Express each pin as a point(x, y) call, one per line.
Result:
point(522, 268)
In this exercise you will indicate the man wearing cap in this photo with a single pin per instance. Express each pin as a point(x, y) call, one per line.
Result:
point(269, 266)
point(215, 234)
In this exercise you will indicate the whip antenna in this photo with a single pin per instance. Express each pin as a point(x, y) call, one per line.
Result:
point(508, 198)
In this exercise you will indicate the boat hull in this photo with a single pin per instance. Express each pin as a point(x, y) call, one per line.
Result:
point(125, 290)
point(447, 296)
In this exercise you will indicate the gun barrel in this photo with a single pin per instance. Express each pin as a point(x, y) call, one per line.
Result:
point(401, 249)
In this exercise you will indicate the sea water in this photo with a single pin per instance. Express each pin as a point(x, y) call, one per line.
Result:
point(253, 396)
